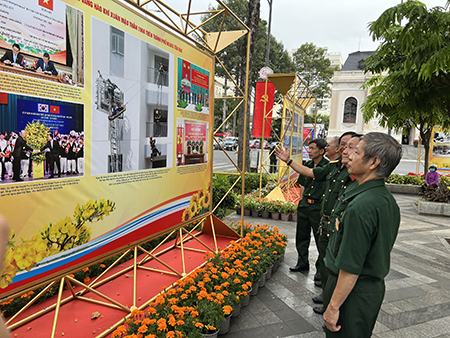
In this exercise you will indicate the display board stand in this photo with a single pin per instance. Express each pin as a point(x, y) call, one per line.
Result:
point(195, 241)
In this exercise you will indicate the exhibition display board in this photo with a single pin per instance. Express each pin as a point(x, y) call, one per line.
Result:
point(112, 150)
point(440, 150)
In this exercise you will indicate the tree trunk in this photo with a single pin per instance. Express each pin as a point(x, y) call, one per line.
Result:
point(425, 135)
point(252, 22)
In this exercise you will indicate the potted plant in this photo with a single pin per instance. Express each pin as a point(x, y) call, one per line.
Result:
point(266, 207)
point(275, 210)
point(256, 207)
point(210, 318)
point(225, 325)
point(248, 205)
point(285, 211)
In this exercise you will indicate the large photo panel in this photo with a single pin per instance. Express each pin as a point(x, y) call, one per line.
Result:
point(111, 160)
point(43, 39)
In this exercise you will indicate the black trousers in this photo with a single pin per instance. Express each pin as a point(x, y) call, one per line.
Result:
point(51, 163)
point(16, 168)
point(308, 219)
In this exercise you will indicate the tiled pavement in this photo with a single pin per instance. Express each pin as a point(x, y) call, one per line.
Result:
point(417, 301)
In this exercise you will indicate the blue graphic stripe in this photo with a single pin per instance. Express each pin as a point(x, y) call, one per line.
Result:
point(76, 253)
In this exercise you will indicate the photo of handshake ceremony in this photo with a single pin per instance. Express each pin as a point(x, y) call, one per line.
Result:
point(224, 168)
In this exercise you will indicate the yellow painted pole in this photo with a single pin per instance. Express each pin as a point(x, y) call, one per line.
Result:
point(244, 145)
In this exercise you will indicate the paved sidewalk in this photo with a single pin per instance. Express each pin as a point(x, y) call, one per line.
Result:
point(417, 301)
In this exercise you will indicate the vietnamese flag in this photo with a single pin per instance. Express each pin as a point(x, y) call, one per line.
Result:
point(3, 98)
point(46, 4)
point(54, 109)
point(186, 71)
point(264, 99)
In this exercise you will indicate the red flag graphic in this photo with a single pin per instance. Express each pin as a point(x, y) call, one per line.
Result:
point(263, 98)
point(46, 4)
point(54, 109)
point(3, 98)
point(186, 71)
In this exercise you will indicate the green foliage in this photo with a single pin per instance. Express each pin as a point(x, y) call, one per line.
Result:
point(198, 107)
point(221, 185)
point(182, 103)
point(411, 69)
point(405, 179)
point(320, 118)
point(314, 67)
point(232, 56)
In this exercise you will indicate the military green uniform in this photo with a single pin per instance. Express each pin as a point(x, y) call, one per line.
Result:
point(337, 180)
point(366, 229)
point(308, 213)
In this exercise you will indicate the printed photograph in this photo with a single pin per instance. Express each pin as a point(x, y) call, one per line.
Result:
point(441, 144)
point(133, 88)
point(40, 139)
point(192, 142)
point(192, 87)
point(42, 39)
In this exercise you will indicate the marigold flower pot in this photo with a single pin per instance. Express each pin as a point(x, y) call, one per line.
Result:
point(225, 325)
point(236, 310)
point(275, 216)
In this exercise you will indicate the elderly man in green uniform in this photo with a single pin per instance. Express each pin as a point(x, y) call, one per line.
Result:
point(358, 253)
point(326, 174)
point(338, 181)
point(308, 211)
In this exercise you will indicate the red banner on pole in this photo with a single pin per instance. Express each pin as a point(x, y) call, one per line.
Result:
point(264, 99)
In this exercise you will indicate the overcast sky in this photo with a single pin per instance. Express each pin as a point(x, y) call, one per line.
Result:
point(340, 26)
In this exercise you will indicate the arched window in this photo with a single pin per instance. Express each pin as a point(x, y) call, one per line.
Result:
point(350, 107)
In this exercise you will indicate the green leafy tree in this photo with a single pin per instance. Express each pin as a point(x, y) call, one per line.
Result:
point(315, 68)
point(411, 67)
point(235, 62)
point(320, 118)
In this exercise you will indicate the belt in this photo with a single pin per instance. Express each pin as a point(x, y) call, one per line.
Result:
point(311, 201)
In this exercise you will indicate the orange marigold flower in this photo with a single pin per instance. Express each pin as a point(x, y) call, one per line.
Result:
point(227, 309)
point(162, 326)
point(102, 266)
point(151, 310)
point(184, 296)
point(122, 329)
point(170, 334)
point(86, 269)
point(236, 281)
point(180, 322)
point(199, 325)
point(172, 320)
point(143, 329)
point(194, 314)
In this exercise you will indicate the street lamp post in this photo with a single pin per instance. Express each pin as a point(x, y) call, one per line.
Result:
point(268, 33)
